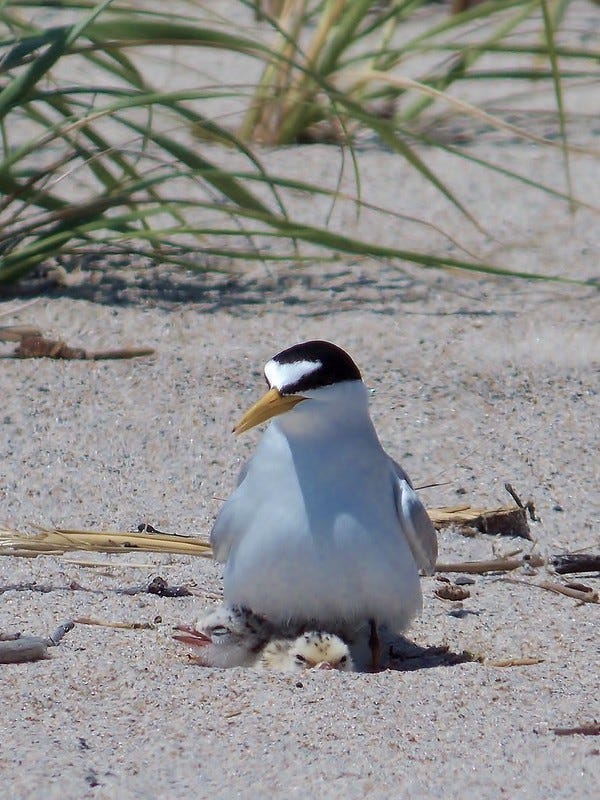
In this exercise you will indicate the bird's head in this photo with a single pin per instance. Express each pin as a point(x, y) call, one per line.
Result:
point(302, 372)
point(318, 650)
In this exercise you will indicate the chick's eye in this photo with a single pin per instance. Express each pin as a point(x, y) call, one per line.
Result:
point(343, 659)
point(300, 659)
point(220, 630)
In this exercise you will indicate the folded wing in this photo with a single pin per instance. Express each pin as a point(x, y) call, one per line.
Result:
point(224, 532)
point(415, 522)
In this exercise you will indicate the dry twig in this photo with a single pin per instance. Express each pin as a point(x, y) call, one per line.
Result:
point(583, 594)
point(132, 626)
point(158, 586)
point(528, 506)
point(504, 564)
point(526, 661)
point(56, 541)
point(593, 729)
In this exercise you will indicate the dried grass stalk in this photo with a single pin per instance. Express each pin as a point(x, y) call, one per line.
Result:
point(56, 541)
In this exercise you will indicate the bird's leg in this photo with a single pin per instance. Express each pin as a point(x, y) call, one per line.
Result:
point(374, 645)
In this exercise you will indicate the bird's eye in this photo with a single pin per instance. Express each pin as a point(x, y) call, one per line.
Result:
point(300, 659)
point(343, 659)
point(220, 630)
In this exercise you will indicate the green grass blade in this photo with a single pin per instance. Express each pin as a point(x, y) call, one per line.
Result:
point(557, 82)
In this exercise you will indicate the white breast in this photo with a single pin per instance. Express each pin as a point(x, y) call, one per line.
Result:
point(312, 532)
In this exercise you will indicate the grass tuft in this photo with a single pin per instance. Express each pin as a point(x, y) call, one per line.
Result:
point(93, 154)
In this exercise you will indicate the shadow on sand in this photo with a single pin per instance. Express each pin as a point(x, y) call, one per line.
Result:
point(311, 288)
point(406, 656)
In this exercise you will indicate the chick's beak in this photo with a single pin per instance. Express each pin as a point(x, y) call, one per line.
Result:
point(189, 635)
point(270, 405)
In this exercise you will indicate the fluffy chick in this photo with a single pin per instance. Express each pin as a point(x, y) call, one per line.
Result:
point(311, 650)
point(227, 636)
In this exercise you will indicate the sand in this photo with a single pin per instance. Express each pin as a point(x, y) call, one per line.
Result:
point(475, 381)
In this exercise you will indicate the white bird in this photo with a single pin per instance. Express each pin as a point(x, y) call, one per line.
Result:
point(324, 529)
point(311, 650)
point(227, 636)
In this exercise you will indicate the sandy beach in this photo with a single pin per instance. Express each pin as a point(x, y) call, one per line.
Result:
point(475, 382)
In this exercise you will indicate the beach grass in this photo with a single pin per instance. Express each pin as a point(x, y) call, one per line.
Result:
point(95, 156)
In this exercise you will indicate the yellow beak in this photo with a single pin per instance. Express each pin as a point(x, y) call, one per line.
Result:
point(270, 405)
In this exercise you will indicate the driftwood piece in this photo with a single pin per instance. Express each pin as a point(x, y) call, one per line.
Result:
point(33, 344)
point(566, 563)
point(40, 347)
point(37, 346)
point(23, 648)
point(16, 648)
point(570, 563)
point(503, 521)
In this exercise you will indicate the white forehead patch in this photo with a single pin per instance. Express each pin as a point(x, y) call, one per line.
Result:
point(280, 375)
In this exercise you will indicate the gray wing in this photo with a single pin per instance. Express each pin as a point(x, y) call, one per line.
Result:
point(243, 472)
point(223, 534)
point(415, 522)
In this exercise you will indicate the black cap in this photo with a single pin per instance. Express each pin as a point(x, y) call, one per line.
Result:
point(310, 365)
